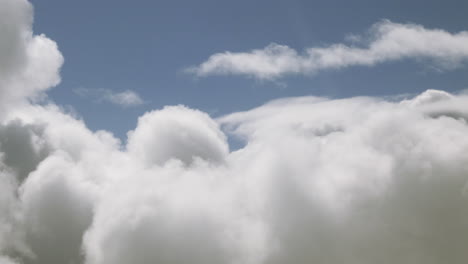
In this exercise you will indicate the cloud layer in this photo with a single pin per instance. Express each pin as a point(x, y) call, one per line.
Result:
point(359, 180)
point(386, 41)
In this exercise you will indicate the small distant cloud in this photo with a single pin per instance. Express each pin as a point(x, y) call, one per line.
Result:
point(126, 98)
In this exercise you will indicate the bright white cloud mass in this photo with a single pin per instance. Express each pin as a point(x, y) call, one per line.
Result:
point(360, 180)
point(386, 41)
point(29, 63)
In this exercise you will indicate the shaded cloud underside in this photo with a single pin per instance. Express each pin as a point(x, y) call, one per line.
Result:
point(359, 180)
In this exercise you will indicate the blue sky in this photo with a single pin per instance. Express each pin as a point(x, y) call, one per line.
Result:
point(145, 46)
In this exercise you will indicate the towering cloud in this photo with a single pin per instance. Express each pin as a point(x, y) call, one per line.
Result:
point(387, 41)
point(358, 180)
point(29, 63)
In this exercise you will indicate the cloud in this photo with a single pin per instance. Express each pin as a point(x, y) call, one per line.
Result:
point(177, 133)
point(386, 41)
point(356, 180)
point(127, 98)
point(29, 63)
point(318, 180)
point(6, 260)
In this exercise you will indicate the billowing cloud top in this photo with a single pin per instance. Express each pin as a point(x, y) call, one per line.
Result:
point(177, 133)
point(358, 180)
point(29, 63)
point(387, 41)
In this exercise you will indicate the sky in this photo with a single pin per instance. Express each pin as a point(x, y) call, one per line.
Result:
point(145, 46)
point(214, 132)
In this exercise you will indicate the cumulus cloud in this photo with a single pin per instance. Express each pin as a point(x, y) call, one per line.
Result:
point(359, 180)
point(127, 98)
point(386, 41)
point(177, 133)
point(29, 63)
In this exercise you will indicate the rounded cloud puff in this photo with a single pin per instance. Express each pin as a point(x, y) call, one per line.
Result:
point(57, 206)
point(167, 216)
point(29, 64)
point(179, 133)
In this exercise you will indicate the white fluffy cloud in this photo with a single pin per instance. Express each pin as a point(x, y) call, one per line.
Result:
point(387, 41)
point(359, 180)
point(29, 63)
point(177, 133)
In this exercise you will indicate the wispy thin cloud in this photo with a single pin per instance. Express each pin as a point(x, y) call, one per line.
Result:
point(126, 98)
point(385, 41)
